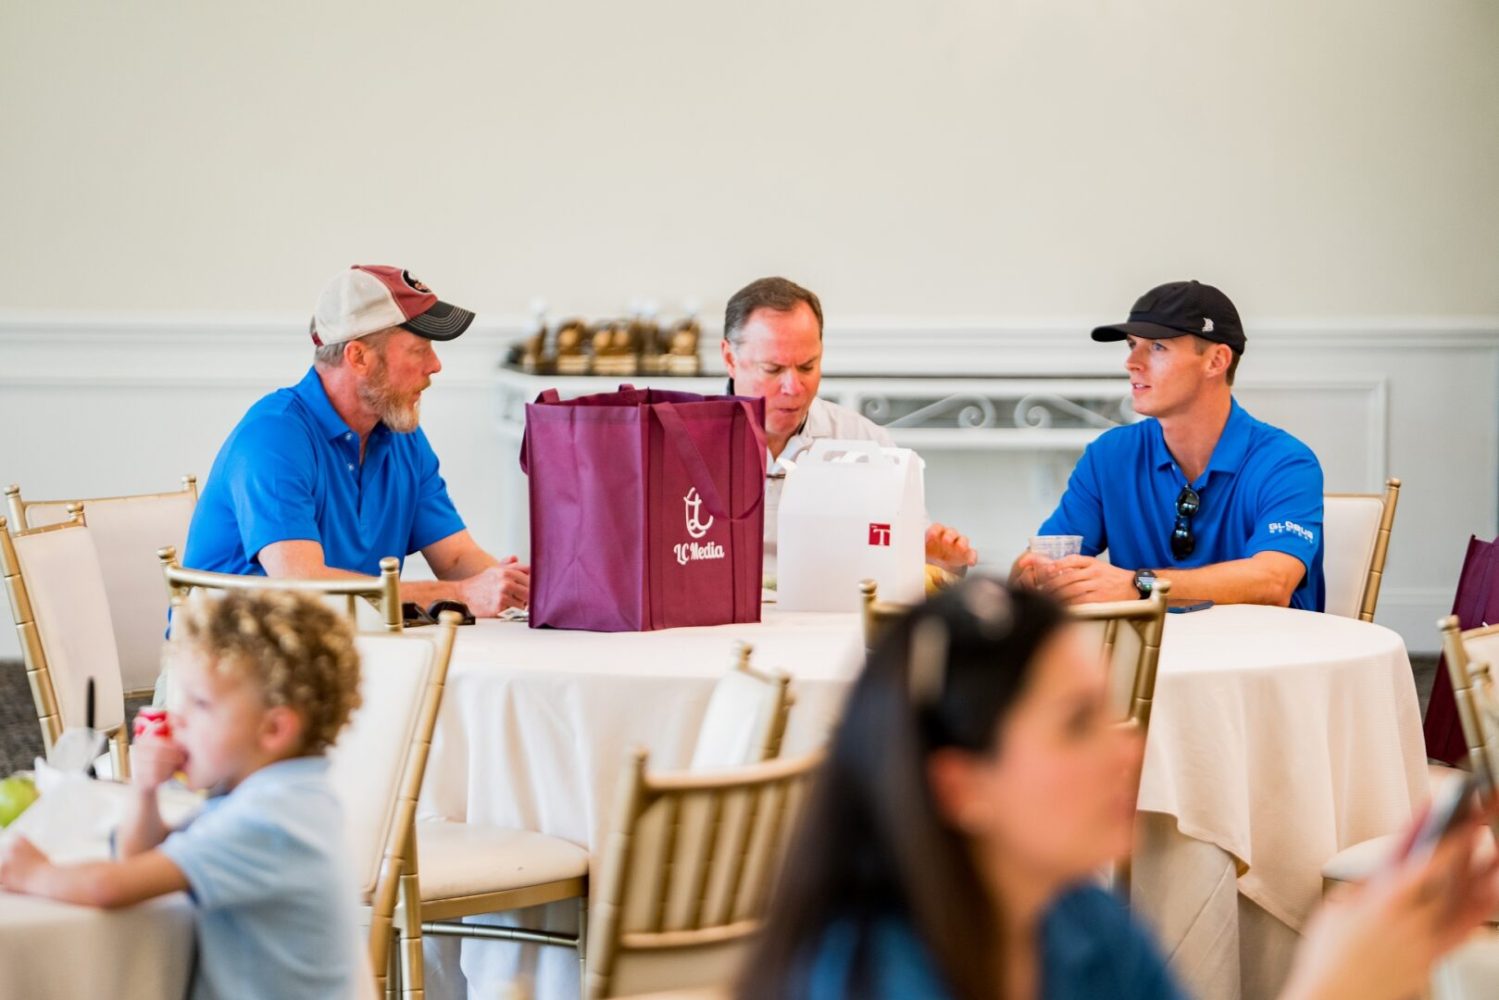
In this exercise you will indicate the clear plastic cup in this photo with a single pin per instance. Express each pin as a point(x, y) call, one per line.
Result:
point(1051, 548)
point(1054, 547)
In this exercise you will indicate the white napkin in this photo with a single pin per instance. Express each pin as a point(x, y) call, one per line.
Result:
point(74, 816)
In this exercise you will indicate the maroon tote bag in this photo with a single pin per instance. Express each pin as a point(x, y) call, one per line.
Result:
point(647, 509)
point(1476, 604)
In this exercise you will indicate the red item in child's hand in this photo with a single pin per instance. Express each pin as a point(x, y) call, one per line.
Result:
point(152, 722)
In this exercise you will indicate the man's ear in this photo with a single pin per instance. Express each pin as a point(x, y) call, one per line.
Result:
point(727, 348)
point(1219, 358)
point(358, 357)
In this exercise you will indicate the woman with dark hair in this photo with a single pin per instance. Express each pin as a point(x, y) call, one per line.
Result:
point(973, 792)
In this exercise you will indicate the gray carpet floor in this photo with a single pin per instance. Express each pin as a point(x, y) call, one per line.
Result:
point(21, 738)
point(20, 735)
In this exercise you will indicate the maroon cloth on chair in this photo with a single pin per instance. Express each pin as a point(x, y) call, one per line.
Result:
point(1476, 604)
point(647, 509)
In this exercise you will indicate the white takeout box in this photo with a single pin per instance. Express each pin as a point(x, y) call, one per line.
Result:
point(851, 510)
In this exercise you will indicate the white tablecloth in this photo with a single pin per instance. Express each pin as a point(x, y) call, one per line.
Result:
point(537, 723)
point(55, 951)
point(1278, 738)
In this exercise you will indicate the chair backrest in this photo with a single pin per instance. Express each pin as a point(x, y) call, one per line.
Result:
point(1355, 543)
point(26, 514)
point(1130, 633)
point(686, 873)
point(384, 590)
point(1131, 640)
point(62, 617)
point(877, 613)
point(127, 532)
point(377, 765)
point(1472, 657)
point(746, 716)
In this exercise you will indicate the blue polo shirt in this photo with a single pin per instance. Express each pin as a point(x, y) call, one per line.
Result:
point(1261, 492)
point(290, 470)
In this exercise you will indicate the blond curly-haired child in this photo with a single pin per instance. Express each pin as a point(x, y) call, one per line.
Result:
point(266, 681)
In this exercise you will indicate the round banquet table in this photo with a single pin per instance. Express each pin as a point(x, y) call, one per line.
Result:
point(1278, 737)
point(56, 951)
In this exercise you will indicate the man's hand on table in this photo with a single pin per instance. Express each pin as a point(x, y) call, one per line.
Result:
point(1081, 579)
point(491, 591)
point(948, 549)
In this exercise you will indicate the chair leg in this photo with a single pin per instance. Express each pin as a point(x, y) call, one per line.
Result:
point(394, 981)
point(120, 747)
point(582, 946)
point(409, 923)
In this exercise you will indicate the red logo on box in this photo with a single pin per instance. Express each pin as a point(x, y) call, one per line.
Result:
point(879, 534)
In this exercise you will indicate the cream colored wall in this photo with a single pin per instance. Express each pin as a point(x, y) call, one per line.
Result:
point(177, 180)
point(975, 158)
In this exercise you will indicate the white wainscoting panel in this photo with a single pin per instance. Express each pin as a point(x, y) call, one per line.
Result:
point(116, 404)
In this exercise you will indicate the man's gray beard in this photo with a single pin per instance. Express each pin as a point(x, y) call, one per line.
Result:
point(402, 419)
point(393, 413)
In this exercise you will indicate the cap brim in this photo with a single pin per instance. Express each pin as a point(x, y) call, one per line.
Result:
point(1149, 331)
point(444, 321)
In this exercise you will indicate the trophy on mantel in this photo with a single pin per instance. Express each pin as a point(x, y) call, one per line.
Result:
point(572, 337)
point(637, 345)
point(681, 357)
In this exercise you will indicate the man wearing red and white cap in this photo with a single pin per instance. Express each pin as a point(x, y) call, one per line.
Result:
point(327, 477)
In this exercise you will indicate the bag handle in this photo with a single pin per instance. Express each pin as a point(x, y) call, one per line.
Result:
point(545, 396)
point(687, 451)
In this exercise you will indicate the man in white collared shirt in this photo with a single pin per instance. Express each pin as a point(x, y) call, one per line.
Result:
point(772, 347)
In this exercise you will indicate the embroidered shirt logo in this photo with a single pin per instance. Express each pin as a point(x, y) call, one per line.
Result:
point(1292, 528)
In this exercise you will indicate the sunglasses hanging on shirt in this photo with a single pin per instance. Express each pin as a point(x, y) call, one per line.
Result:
point(1188, 503)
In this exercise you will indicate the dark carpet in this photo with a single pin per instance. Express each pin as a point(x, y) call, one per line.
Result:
point(20, 735)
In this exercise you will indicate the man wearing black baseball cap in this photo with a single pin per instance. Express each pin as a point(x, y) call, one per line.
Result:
point(1224, 506)
point(327, 477)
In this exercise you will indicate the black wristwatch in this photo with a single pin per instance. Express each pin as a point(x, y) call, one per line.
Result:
point(1145, 582)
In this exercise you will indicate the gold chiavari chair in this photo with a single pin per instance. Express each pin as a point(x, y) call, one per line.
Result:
point(127, 531)
point(383, 591)
point(1356, 531)
point(687, 872)
point(876, 613)
point(1130, 636)
point(746, 717)
point(61, 614)
point(470, 870)
point(1131, 641)
point(26, 514)
point(377, 769)
point(1470, 656)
